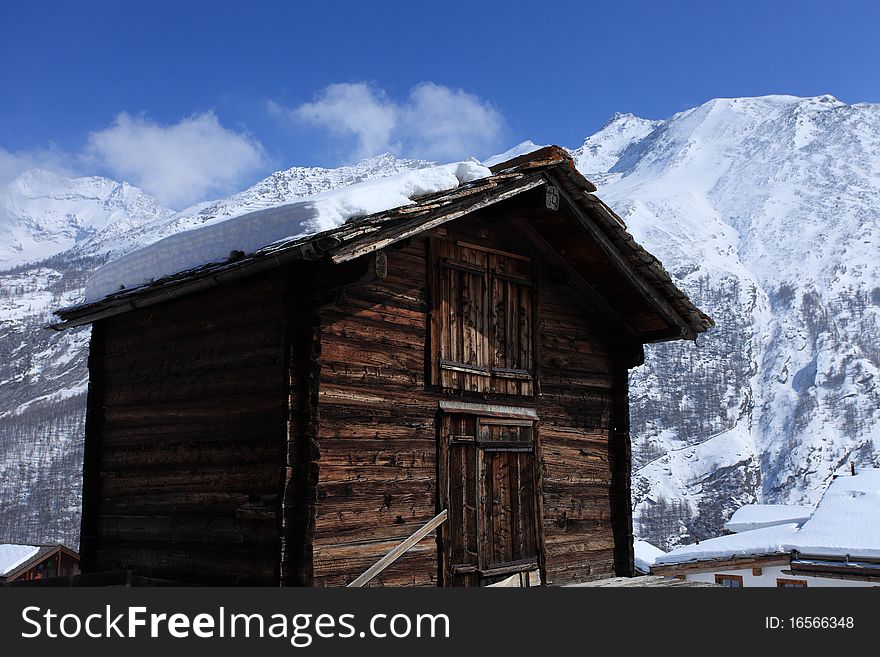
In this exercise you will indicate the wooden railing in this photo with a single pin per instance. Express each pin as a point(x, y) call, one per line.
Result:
point(399, 550)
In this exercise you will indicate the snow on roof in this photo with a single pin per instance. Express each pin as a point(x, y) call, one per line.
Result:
point(769, 540)
point(645, 555)
point(216, 240)
point(758, 516)
point(846, 521)
point(12, 556)
point(523, 148)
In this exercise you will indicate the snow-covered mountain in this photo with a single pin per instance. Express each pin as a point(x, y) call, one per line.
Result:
point(42, 214)
point(766, 210)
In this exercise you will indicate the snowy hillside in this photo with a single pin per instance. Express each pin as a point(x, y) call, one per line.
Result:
point(766, 210)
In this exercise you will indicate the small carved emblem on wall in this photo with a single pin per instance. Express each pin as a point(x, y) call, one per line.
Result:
point(552, 197)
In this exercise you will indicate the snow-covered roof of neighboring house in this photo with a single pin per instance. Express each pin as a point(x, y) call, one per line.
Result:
point(845, 523)
point(349, 222)
point(645, 554)
point(12, 556)
point(16, 559)
point(755, 543)
point(758, 516)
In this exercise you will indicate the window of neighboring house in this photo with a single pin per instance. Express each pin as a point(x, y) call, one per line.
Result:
point(483, 319)
point(782, 583)
point(490, 489)
point(48, 568)
point(730, 581)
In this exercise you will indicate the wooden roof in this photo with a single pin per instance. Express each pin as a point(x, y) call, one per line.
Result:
point(43, 553)
point(551, 166)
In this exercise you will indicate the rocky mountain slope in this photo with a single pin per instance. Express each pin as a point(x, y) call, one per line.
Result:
point(765, 209)
point(768, 212)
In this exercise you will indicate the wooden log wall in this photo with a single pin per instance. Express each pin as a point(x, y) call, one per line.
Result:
point(377, 432)
point(186, 438)
point(575, 409)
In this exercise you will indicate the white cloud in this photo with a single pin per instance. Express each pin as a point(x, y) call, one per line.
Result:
point(12, 164)
point(445, 123)
point(434, 122)
point(353, 109)
point(177, 164)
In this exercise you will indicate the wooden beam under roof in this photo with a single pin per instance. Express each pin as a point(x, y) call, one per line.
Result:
point(663, 307)
point(577, 281)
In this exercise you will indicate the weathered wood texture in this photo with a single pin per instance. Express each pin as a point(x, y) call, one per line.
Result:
point(378, 430)
point(398, 551)
point(376, 435)
point(185, 445)
point(482, 311)
point(91, 491)
point(488, 478)
point(577, 385)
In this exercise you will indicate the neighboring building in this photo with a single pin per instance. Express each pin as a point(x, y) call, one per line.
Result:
point(645, 556)
point(759, 516)
point(291, 415)
point(837, 544)
point(28, 562)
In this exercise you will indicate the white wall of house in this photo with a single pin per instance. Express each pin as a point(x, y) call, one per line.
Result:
point(770, 574)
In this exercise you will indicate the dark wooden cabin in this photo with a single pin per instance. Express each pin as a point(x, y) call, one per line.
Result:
point(292, 415)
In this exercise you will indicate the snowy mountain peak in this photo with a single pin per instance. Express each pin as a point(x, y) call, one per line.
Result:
point(43, 213)
point(601, 151)
point(42, 183)
point(713, 122)
point(36, 181)
point(522, 148)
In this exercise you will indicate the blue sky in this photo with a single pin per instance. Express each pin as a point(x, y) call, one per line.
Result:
point(191, 99)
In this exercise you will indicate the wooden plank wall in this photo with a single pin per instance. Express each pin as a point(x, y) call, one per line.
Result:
point(377, 432)
point(376, 435)
point(185, 461)
point(575, 407)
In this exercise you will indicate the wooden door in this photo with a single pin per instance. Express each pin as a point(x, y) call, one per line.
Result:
point(491, 490)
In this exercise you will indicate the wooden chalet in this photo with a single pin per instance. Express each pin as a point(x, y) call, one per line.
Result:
point(293, 415)
point(26, 563)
